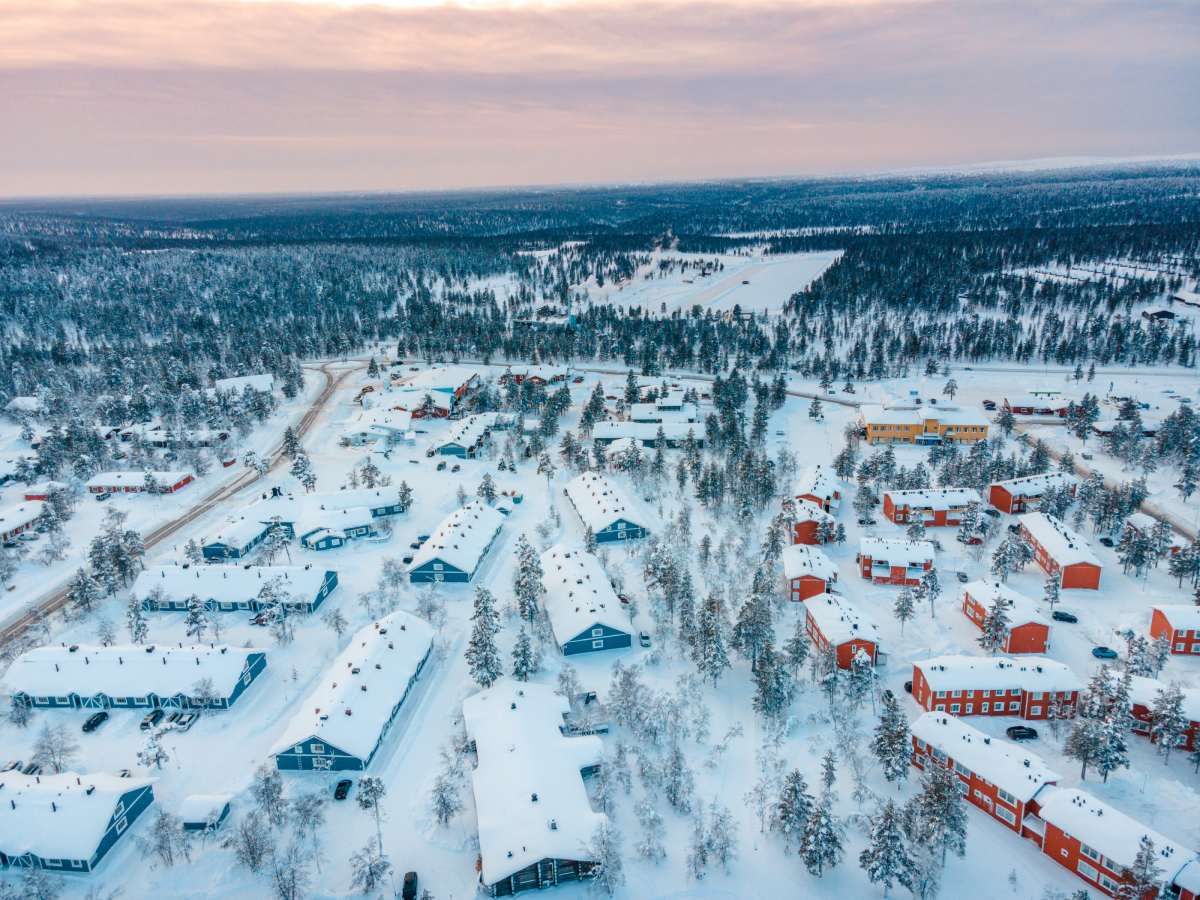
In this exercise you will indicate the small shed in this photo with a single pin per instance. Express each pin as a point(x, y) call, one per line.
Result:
point(204, 812)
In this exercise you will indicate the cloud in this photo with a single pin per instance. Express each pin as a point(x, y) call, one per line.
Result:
point(141, 96)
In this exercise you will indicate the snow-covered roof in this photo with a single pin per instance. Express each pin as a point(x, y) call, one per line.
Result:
point(619, 446)
point(413, 400)
point(357, 694)
point(304, 511)
point(1064, 545)
point(808, 511)
point(1036, 485)
point(1142, 692)
point(60, 816)
point(948, 414)
point(20, 515)
point(469, 431)
point(600, 502)
point(262, 383)
point(1021, 609)
point(1008, 766)
point(380, 422)
point(647, 431)
point(43, 488)
point(228, 583)
point(818, 481)
point(1145, 524)
point(25, 403)
point(1188, 878)
point(802, 559)
point(442, 379)
point(461, 538)
point(992, 673)
point(1182, 616)
point(578, 593)
point(670, 410)
point(1107, 830)
point(934, 498)
point(531, 370)
point(237, 532)
point(201, 807)
point(1036, 402)
point(896, 551)
point(126, 670)
point(840, 620)
point(136, 479)
point(530, 799)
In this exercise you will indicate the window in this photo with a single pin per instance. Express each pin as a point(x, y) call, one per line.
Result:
point(77, 864)
point(438, 567)
point(970, 708)
point(956, 694)
point(954, 707)
point(598, 645)
point(1005, 814)
point(1179, 648)
point(920, 744)
point(1109, 885)
point(317, 748)
point(1087, 871)
point(985, 707)
point(962, 788)
point(1006, 796)
point(1037, 695)
point(962, 770)
point(1089, 852)
point(1013, 706)
point(122, 824)
point(938, 755)
point(1035, 711)
point(597, 632)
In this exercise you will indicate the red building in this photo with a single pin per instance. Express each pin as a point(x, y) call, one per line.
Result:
point(43, 490)
point(1018, 495)
point(1178, 624)
point(818, 484)
point(135, 482)
point(1142, 694)
point(1098, 842)
point(1027, 688)
point(811, 522)
point(1143, 525)
point(1060, 551)
point(837, 623)
point(1028, 630)
point(808, 570)
point(18, 519)
point(894, 561)
point(935, 507)
point(998, 777)
point(1029, 405)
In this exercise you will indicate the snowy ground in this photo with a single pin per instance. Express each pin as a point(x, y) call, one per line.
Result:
point(222, 751)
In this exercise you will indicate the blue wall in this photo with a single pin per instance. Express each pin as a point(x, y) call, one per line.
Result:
point(615, 532)
point(610, 639)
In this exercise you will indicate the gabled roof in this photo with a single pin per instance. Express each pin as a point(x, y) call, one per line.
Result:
point(817, 481)
point(1182, 616)
point(808, 511)
point(1036, 485)
point(442, 379)
point(578, 593)
point(228, 583)
point(611, 430)
point(989, 673)
point(20, 515)
point(896, 551)
point(59, 816)
point(935, 498)
point(355, 696)
point(530, 799)
point(467, 432)
point(1008, 766)
point(1065, 546)
point(1021, 609)
point(1107, 830)
point(801, 559)
point(127, 670)
point(840, 621)
point(1143, 691)
point(199, 807)
point(600, 502)
point(136, 479)
point(461, 538)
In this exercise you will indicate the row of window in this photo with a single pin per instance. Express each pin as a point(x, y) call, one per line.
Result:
point(1001, 794)
point(986, 707)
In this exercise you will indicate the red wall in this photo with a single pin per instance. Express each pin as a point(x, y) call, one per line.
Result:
point(807, 586)
point(1027, 707)
point(1161, 627)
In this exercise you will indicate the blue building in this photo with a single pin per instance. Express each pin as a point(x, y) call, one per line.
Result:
point(585, 612)
point(457, 546)
point(604, 508)
point(237, 540)
point(204, 812)
point(67, 822)
point(234, 588)
point(342, 724)
point(132, 676)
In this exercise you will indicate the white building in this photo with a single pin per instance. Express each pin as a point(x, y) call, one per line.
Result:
point(584, 611)
point(229, 588)
point(458, 545)
point(604, 508)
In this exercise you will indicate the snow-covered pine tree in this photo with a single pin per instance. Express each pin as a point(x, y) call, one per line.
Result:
point(1168, 721)
point(527, 580)
point(885, 859)
point(795, 651)
point(711, 656)
point(821, 845)
point(891, 743)
point(937, 816)
point(524, 657)
point(483, 658)
point(604, 849)
point(792, 809)
point(904, 607)
point(996, 626)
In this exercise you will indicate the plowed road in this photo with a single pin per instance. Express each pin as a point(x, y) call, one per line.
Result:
point(57, 599)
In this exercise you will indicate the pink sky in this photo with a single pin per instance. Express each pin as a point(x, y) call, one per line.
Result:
point(147, 96)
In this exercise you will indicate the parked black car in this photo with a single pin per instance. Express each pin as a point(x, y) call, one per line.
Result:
point(866, 521)
point(409, 891)
point(1014, 528)
point(94, 721)
point(908, 687)
point(992, 513)
point(1106, 541)
point(342, 791)
point(151, 719)
point(1061, 615)
point(1021, 733)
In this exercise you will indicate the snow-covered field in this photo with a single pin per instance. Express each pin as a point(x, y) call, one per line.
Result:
point(222, 751)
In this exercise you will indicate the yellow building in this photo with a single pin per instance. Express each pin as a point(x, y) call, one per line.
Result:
point(922, 425)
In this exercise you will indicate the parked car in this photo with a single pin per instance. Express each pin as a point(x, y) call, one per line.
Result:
point(262, 617)
point(31, 769)
point(992, 513)
point(125, 773)
point(644, 638)
point(1107, 541)
point(865, 521)
point(406, 559)
point(172, 719)
point(151, 719)
point(972, 540)
point(1021, 733)
point(937, 545)
point(10, 765)
point(422, 538)
point(186, 721)
point(342, 791)
point(1087, 456)
point(1061, 615)
point(624, 599)
point(1014, 528)
point(504, 510)
point(578, 379)
point(1104, 653)
point(441, 466)
point(415, 545)
point(29, 537)
point(962, 577)
point(409, 890)
point(103, 496)
point(94, 721)
point(456, 468)
point(908, 687)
